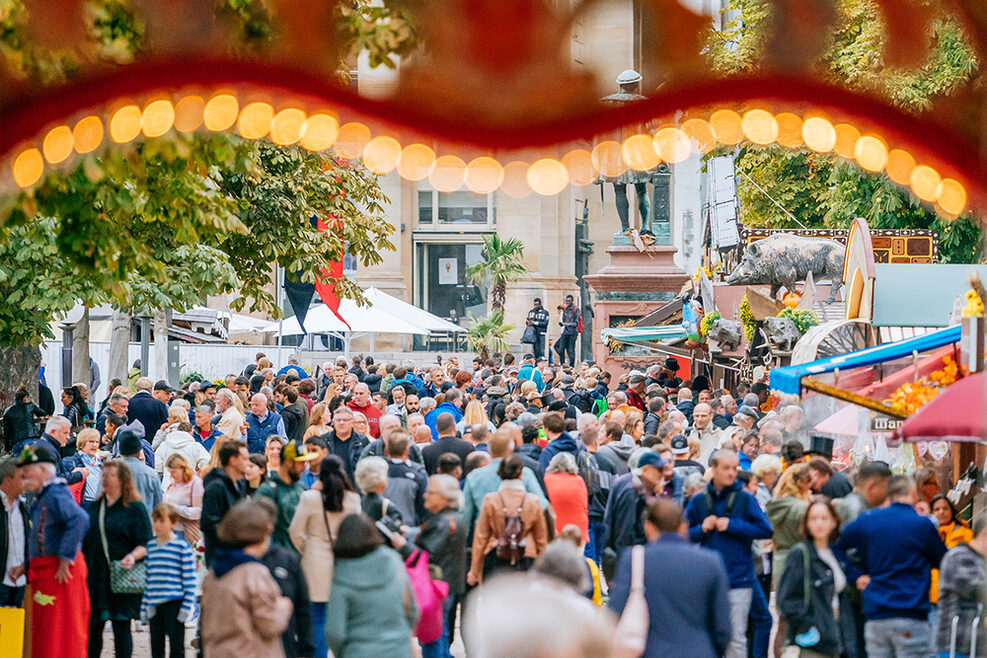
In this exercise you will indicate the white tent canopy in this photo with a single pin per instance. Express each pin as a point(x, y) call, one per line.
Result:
point(362, 320)
point(409, 312)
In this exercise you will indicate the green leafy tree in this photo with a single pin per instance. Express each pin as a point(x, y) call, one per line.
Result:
point(167, 222)
point(824, 190)
point(488, 334)
point(503, 262)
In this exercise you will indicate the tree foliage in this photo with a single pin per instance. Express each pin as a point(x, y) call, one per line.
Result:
point(166, 222)
point(824, 190)
point(503, 262)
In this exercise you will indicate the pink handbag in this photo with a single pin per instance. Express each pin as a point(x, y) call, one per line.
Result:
point(429, 595)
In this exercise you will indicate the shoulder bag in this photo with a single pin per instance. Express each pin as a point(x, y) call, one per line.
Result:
point(122, 581)
point(632, 629)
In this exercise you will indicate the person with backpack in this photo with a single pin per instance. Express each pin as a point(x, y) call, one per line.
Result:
point(812, 584)
point(511, 531)
point(727, 519)
point(571, 321)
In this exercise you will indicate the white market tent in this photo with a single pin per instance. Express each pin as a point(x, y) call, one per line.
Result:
point(409, 312)
point(384, 315)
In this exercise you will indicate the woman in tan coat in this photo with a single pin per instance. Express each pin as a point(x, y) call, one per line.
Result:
point(489, 556)
point(243, 612)
point(313, 531)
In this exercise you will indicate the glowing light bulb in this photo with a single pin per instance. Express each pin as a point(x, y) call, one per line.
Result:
point(381, 154)
point(727, 126)
point(579, 162)
point(57, 145)
point(220, 112)
point(819, 134)
point(608, 159)
point(416, 162)
point(484, 175)
point(125, 124)
point(449, 173)
point(516, 179)
point(28, 167)
point(288, 126)
point(255, 120)
point(189, 113)
point(871, 153)
point(158, 118)
point(760, 127)
point(321, 131)
point(925, 182)
point(548, 176)
point(638, 151)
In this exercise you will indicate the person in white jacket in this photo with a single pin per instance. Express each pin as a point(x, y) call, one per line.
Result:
point(179, 440)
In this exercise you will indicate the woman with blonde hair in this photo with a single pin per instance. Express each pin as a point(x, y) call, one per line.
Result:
point(473, 415)
point(318, 421)
point(360, 424)
point(184, 491)
point(786, 512)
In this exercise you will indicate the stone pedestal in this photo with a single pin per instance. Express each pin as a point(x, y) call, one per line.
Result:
point(632, 285)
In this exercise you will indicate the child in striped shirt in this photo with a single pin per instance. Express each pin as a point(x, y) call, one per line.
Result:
point(169, 596)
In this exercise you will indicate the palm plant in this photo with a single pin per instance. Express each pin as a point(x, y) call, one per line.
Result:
point(488, 334)
point(503, 262)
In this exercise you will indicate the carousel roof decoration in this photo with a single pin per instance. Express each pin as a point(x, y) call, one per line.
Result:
point(477, 105)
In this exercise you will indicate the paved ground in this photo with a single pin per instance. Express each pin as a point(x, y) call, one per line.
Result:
point(142, 643)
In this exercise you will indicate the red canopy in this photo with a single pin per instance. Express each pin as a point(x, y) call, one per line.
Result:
point(957, 414)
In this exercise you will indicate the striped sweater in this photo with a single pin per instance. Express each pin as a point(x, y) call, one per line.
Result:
point(170, 576)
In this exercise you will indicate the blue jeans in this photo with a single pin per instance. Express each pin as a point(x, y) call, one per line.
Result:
point(899, 638)
point(440, 647)
point(760, 621)
point(319, 629)
point(594, 547)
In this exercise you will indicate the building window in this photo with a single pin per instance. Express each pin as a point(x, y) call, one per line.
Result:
point(455, 210)
point(441, 284)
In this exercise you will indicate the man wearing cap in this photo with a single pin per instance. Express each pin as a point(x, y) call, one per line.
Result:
point(58, 598)
point(146, 479)
point(528, 371)
point(635, 391)
point(284, 488)
point(631, 493)
point(538, 318)
point(144, 408)
point(683, 465)
point(726, 518)
point(162, 392)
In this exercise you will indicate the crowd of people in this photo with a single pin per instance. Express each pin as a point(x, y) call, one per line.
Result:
point(536, 510)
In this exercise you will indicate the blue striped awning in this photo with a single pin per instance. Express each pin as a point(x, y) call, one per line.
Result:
point(788, 380)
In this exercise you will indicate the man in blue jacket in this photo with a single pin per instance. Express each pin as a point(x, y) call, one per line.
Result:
point(151, 412)
point(685, 587)
point(528, 371)
point(453, 405)
point(261, 424)
point(727, 519)
point(897, 548)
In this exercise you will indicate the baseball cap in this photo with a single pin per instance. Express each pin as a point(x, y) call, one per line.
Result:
point(162, 385)
point(651, 458)
point(680, 445)
point(635, 378)
point(297, 452)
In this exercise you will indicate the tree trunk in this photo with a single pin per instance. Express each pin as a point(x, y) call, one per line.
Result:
point(80, 351)
point(119, 347)
point(20, 368)
point(160, 369)
point(498, 294)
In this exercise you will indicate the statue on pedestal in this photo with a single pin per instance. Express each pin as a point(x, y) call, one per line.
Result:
point(651, 213)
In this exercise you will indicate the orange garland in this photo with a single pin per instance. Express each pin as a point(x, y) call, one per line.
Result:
point(911, 397)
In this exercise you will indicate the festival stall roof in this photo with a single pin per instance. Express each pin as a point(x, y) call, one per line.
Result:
point(790, 380)
point(907, 295)
point(642, 334)
point(939, 420)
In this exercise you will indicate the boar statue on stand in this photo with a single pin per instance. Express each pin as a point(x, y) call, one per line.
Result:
point(782, 259)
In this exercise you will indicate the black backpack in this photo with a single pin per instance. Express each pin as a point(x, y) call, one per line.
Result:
point(510, 546)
